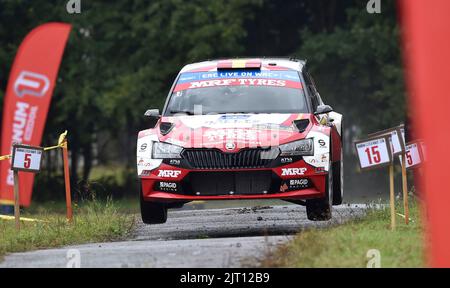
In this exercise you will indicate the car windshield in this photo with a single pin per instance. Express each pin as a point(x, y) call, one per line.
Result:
point(237, 92)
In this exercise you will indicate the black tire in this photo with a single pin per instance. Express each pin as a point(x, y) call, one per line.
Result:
point(152, 212)
point(175, 205)
point(338, 181)
point(320, 209)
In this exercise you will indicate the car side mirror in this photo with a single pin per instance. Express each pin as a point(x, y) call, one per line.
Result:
point(323, 109)
point(152, 113)
point(154, 116)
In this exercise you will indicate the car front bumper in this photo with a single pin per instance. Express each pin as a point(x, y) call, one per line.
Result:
point(169, 183)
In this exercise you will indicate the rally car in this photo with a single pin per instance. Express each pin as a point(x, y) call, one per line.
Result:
point(241, 129)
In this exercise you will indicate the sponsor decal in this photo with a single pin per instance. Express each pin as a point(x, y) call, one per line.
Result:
point(286, 160)
point(171, 185)
point(321, 150)
point(320, 169)
point(169, 173)
point(175, 162)
point(30, 83)
point(298, 182)
point(230, 121)
point(294, 184)
point(143, 147)
point(230, 146)
point(236, 82)
point(146, 173)
point(281, 75)
point(284, 187)
point(293, 171)
point(167, 186)
point(23, 122)
point(273, 126)
point(233, 118)
point(143, 163)
point(231, 134)
point(195, 80)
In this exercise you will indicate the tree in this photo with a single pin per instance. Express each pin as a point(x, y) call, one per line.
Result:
point(358, 68)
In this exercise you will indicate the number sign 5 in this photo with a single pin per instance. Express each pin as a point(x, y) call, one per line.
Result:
point(414, 156)
point(26, 158)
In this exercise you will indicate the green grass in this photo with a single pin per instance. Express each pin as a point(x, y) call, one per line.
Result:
point(347, 245)
point(93, 222)
point(125, 205)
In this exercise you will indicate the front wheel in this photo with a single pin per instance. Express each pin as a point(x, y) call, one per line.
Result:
point(320, 209)
point(338, 181)
point(152, 212)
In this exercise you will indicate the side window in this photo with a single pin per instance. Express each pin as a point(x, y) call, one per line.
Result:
point(314, 87)
point(311, 90)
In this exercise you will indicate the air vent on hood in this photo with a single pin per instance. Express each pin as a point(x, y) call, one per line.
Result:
point(165, 127)
point(301, 124)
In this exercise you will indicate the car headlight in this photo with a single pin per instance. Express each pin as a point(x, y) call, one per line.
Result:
point(163, 150)
point(303, 147)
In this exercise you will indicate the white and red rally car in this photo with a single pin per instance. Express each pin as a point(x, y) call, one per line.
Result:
point(241, 129)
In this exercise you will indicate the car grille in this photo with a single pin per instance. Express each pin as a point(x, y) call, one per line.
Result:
point(226, 183)
point(216, 159)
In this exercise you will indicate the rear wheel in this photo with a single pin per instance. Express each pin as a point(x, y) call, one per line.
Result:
point(320, 209)
point(152, 212)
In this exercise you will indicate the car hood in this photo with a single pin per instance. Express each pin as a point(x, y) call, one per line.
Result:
point(230, 132)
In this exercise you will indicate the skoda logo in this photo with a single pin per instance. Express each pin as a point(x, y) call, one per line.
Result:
point(230, 146)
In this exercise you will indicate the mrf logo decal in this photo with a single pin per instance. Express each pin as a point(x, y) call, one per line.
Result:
point(30, 83)
point(169, 173)
point(293, 171)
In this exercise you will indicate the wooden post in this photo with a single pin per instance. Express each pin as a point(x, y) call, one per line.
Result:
point(67, 182)
point(16, 199)
point(392, 195)
point(405, 190)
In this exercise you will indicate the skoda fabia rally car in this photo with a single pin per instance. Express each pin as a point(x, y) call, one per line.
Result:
point(241, 129)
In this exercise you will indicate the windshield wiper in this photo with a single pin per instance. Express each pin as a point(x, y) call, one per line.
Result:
point(181, 111)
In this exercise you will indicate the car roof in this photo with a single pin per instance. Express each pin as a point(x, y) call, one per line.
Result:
point(273, 63)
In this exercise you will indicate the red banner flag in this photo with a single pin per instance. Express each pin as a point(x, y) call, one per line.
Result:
point(426, 42)
point(30, 88)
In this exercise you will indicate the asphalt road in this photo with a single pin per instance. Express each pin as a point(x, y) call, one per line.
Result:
point(235, 237)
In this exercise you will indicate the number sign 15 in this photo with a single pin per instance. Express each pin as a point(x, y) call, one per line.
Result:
point(374, 152)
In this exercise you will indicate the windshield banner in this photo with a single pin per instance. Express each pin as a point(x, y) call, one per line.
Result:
point(193, 80)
